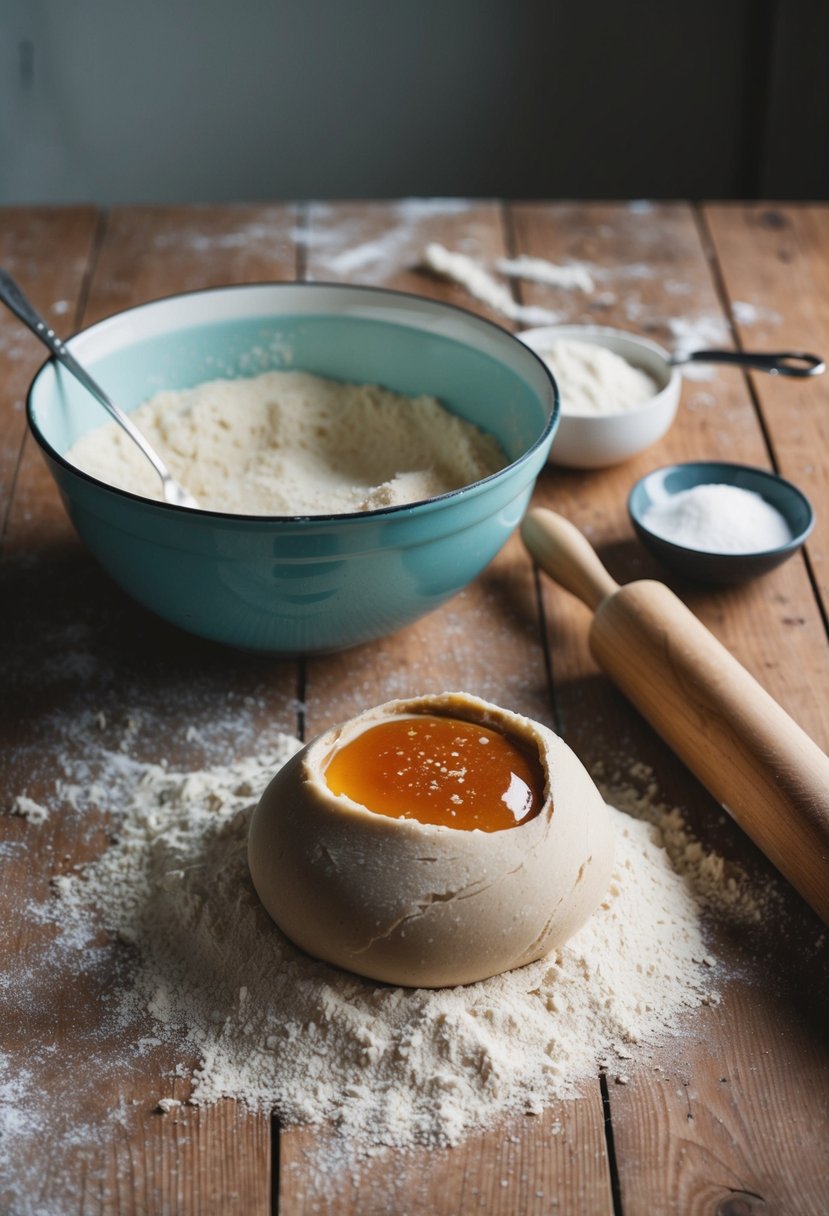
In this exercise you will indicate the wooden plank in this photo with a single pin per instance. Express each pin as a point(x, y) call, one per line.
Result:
point(485, 641)
point(48, 251)
point(155, 251)
point(745, 1141)
point(716, 420)
point(737, 1124)
point(775, 265)
point(552, 1162)
point(81, 646)
point(380, 244)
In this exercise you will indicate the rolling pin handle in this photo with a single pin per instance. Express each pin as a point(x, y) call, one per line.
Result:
point(742, 745)
point(567, 556)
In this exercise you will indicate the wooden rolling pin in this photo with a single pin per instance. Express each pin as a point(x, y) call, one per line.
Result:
point(768, 774)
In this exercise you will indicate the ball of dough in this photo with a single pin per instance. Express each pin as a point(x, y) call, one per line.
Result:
point(423, 905)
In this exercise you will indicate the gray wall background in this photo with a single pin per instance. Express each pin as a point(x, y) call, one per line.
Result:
point(107, 101)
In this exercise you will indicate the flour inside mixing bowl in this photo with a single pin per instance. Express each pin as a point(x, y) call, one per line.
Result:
point(292, 443)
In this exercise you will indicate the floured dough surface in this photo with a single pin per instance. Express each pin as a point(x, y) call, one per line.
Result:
point(292, 443)
point(422, 905)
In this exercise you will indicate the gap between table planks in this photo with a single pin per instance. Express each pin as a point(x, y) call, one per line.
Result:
point(200, 246)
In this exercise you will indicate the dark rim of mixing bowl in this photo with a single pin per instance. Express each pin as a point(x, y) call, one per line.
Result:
point(311, 519)
point(730, 466)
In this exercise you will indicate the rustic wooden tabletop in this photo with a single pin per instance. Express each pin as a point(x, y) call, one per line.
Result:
point(737, 1119)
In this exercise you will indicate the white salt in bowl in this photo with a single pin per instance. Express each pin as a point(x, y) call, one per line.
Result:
point(659, 486)
point(596, 441)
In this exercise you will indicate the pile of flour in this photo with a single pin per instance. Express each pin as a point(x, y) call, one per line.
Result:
point(395, 1066)
point(291, 443)
point(594, 380)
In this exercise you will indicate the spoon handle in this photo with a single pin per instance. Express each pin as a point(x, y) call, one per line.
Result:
point(14, 298)
point(776, 363)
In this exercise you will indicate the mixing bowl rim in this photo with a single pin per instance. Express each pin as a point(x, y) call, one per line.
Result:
point(423, 506)
point(794, 492)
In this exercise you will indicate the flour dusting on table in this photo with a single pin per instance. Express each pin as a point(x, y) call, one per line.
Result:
point(539, 270)
point(471, 275)
point(387, 1065)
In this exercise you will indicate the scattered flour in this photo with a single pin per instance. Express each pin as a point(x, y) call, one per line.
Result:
point(386, 1065)
point(27, 808)
point(704, 332)
point(291, 443)
point(687, 333)
point(718, 519)
point(746, 313)
point(594, 380)
point(480, 284)
point(720, 886)
point(375, 242)
point(366, 255)
point(538, 270)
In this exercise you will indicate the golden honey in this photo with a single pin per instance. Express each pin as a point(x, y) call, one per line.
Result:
point(439, 770)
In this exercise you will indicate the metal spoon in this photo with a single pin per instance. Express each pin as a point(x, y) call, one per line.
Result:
point(12, 296)
point(779, 363)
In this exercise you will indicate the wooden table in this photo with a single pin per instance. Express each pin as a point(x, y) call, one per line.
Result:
point(737, 1120)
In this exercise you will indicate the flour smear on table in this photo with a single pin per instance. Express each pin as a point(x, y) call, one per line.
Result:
point(387, 1066)
point(481, 285)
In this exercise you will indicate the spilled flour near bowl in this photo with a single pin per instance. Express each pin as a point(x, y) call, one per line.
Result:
point(387, 1065)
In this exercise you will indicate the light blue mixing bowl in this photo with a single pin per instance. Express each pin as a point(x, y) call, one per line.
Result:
point(289, 585)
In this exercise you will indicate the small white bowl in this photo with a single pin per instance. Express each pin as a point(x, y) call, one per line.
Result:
point(594, 441)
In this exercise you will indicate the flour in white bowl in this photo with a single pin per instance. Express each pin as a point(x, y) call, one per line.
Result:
point(594, 380)
point(292, 443)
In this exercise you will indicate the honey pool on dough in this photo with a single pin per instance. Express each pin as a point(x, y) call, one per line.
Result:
point(439, 770)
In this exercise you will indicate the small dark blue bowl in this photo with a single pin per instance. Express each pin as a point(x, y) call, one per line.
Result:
point(702, 565)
